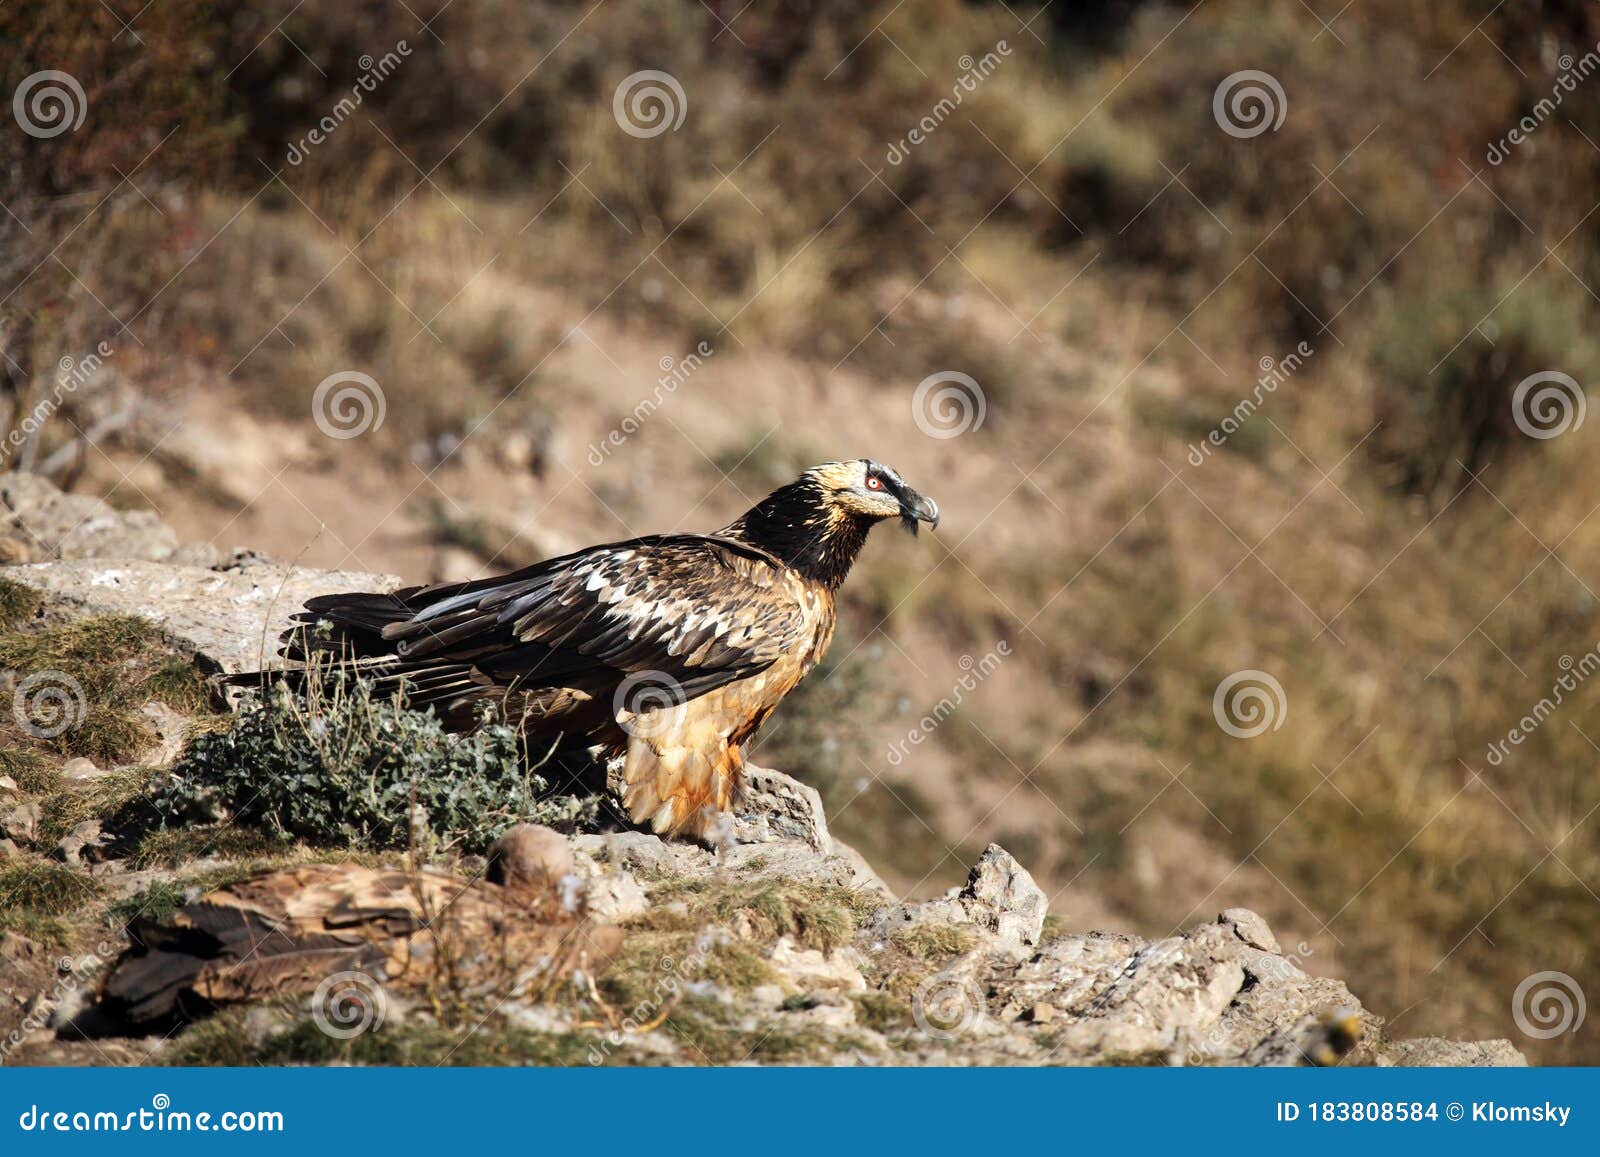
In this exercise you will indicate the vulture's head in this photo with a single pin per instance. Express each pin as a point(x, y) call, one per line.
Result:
point(868, 490)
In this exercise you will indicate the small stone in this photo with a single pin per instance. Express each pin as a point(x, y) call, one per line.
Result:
point(1251, 928)
point(616, 896)
point(7, 783)
point(530, 855)
point(80, 768)
point(810, 969)
point(1042, 1013)
point(767, 996)
point(1016, 905)
point(84, 837)
point(9, 851)
point(21, 823)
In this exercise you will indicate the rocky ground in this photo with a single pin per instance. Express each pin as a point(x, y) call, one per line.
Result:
point(782, 946)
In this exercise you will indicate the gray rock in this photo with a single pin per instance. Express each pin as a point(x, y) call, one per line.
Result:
point(83, 842)
point(43, 523)
point(9, 851)
point(1318, 1041)
point(1000, 899)
point(1003, 897)
point(809, 969)
point(1250, 928)
point(81, 770)
point(1435, 1052)
point(21, 823)
point(616, 896)
point(229, 619)
point(777, 806)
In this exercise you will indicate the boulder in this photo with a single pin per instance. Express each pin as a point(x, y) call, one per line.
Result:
point(229, 619)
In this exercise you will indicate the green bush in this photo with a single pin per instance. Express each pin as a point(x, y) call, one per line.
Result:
point(352, 769)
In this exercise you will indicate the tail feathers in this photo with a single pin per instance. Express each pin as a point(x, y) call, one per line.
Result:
point(355, 624)
point(680, 791)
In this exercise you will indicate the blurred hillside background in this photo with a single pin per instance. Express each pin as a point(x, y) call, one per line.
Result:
point(621, 267)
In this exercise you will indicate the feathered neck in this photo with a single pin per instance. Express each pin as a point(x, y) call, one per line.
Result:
point(802, 527)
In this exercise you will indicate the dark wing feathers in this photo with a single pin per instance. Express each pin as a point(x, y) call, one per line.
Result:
point(700, 609)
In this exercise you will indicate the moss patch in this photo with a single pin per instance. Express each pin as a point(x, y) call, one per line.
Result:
point(882, 1011)
point(88, 679)
point(225, 1040)
point(814, 915)
point(45, 889)
point(18, 603)
point(934, 941)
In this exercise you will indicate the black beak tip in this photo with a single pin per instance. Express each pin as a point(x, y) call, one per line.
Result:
point(920, 509)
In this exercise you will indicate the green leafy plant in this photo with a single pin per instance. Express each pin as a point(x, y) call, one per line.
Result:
point(344, 766)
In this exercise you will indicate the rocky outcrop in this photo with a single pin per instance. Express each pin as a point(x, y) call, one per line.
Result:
point(813, 946)
point(229, 618)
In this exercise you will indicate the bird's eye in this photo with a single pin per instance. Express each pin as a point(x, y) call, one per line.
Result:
point(874, 483)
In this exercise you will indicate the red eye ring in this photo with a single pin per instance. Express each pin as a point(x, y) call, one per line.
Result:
point(874, 483)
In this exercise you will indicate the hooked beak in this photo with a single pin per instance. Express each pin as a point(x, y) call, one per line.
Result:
point(914, 508)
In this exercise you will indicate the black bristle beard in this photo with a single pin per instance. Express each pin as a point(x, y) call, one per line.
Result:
point(799, 525)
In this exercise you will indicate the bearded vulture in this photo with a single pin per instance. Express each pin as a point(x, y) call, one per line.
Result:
point(665, 653)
